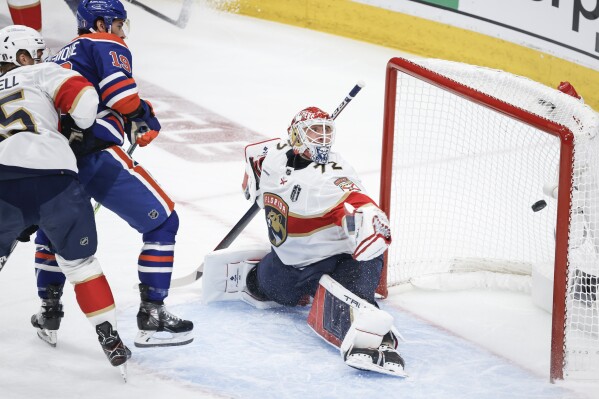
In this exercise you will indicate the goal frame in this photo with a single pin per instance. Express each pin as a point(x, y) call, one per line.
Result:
point(400, 65)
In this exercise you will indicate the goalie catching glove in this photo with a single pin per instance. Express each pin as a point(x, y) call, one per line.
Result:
point(369, 227)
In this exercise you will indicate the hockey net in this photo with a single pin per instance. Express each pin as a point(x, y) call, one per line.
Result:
point(466, 152)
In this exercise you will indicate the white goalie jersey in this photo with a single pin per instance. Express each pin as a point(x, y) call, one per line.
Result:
point(303, 205)
point(31, 99)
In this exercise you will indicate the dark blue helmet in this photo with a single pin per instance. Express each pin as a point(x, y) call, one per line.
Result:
point(90, 10)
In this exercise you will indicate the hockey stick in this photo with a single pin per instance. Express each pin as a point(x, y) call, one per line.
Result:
point(353, 92)
point(130, 150)
point(225, 243)
point(4, 259)
point(24, 236)
point(181, 22)
point(249, 215)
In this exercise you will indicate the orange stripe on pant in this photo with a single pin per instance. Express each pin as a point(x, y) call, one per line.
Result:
point(94, 296)
point(118, 151)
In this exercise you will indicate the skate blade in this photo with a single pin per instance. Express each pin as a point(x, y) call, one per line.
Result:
point(123, 371)
point(48, 336)
point(363, 364)
point(150, 339)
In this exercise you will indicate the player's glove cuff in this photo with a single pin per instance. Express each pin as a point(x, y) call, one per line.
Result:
point(145, 113)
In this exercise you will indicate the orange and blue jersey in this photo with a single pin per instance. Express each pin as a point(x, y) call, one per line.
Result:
point(105, 60)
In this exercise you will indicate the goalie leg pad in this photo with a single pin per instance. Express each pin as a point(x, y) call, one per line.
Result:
point(331, 312)
point(251, 294)
point(226, 270)
point(365, 334)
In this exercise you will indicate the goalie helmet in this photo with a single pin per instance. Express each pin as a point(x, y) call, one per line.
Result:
point(19, 37)
point(311, 134)
point(89, 11)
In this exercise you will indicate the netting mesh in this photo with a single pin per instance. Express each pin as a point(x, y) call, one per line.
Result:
point(464, 179)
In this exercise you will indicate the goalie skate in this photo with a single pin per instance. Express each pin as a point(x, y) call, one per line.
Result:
point(384, 360)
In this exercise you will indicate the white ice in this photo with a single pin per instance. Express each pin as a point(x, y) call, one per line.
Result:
point(233, 75)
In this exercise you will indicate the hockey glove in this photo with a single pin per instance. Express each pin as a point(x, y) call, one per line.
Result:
point(254, 157)
point(145, 113)
point(26, 234)
point(70, 130)
point(144, 136)
point(370, 229)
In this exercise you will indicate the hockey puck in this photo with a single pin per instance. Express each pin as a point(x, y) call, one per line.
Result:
point(539, 205)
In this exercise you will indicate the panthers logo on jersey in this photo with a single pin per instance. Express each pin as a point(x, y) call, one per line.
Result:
point(276, 211)
point(346, 184)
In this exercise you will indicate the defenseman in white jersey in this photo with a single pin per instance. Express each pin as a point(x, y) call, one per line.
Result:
point(327, 241)
point(38, 173)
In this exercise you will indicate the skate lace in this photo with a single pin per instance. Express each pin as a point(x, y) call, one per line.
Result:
point(159, 314)
point(168, 318)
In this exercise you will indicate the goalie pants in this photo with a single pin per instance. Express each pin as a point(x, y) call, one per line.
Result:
point(56, 203)
point(286, 284)
point(120, 184)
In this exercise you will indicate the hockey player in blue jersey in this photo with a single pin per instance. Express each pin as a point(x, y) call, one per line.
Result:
point(113, 179)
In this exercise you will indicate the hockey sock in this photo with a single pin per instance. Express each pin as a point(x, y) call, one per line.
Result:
point(47, 271)
point(26, 12)
point(155, 266)
point(95, 299)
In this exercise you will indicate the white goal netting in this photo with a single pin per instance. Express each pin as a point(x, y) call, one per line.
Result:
point(470, 155)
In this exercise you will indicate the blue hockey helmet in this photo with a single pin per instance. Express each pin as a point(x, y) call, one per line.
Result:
point(108, 10)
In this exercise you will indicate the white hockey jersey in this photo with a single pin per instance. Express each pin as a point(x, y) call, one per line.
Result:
point(304, 206)
point(31, 98)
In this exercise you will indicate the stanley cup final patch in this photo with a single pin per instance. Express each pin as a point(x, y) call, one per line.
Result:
point(276, 211)
point(346, 185)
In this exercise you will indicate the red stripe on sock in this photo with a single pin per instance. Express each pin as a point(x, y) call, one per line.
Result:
point(27, 15)
point(94, 295)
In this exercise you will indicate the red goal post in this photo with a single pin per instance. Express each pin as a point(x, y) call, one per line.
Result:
point(466, 152)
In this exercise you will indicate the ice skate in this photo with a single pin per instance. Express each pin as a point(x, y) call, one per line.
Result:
point(158, 327)
point(47, 320)
point(114, 349)
point(384, 360)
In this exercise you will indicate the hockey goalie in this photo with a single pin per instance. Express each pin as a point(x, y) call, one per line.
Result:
point(327, 240)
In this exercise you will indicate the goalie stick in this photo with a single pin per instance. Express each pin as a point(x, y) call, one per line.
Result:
point(181, 22)
point(249, 215)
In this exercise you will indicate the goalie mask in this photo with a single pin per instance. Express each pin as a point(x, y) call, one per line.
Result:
point(311, 134)
point(89, 11)
point(18, 37)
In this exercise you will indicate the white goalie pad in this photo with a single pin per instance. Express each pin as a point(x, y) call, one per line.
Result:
point(360, 330)
point(367, 329)
point(332, 310)
point(225, 271)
